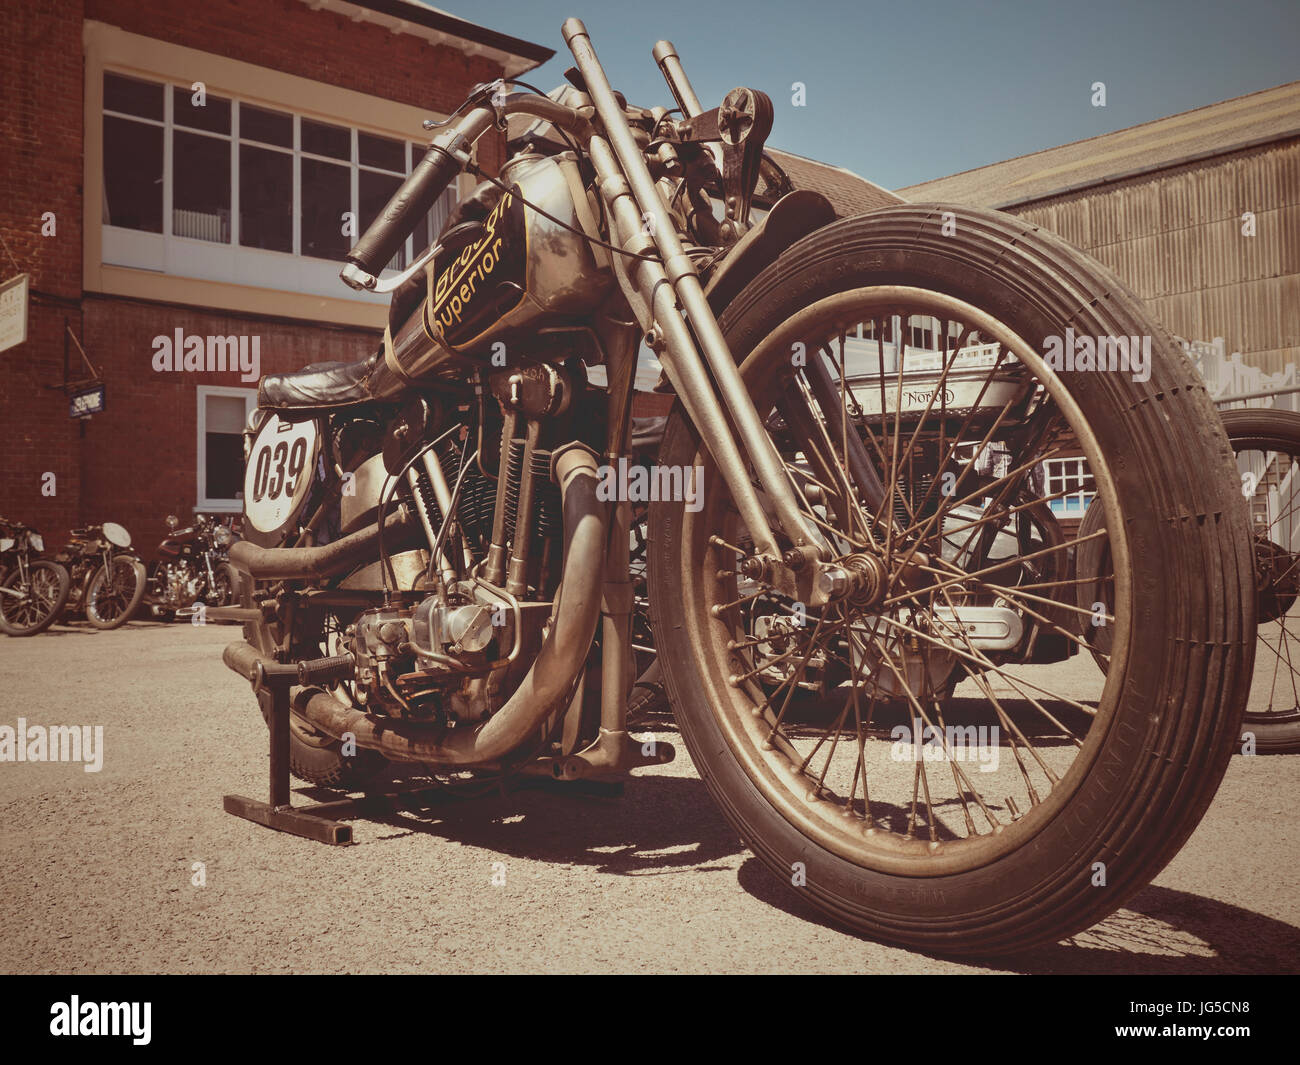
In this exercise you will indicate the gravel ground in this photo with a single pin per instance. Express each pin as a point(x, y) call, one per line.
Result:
point(97, 869)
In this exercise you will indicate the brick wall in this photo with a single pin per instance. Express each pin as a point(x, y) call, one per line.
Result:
point(40, 171)
point(140, 455)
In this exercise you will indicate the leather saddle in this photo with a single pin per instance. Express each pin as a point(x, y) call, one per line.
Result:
point(322, 386)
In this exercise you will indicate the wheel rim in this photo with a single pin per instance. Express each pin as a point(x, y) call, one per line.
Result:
point(817, 774)
point(112, 591)
point(1270, 475)
point(40, 597)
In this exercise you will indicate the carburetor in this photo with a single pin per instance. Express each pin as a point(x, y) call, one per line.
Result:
point(381, 647)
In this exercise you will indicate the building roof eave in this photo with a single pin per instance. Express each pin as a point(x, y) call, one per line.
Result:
point(514, 55)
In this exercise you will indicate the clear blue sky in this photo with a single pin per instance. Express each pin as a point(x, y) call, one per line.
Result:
point(905, 91)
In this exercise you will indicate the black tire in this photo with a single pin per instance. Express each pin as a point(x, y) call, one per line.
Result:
point(1181, 682)
point(1272, 731)
point(227, 581)
point(313, 757)
point(119, 607)
point(55, 586)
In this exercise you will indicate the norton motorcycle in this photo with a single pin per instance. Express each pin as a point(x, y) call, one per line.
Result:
point(191, 568)
point(33, 590)
point(108, 578)
point(867, 617)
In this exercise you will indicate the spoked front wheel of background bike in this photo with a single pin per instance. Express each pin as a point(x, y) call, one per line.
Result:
point(893, 755)
point(115, 592)
point(40, 598)
point(1267, 446)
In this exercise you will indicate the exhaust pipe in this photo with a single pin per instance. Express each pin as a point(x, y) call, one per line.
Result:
point(548, 684)
point(292, 563)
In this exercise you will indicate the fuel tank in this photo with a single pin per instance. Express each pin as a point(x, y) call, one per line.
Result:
point(525, 273)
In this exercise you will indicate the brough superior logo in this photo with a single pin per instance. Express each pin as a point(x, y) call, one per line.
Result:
point(462, 303)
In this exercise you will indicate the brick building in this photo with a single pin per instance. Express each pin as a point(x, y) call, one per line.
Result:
point(174, 169)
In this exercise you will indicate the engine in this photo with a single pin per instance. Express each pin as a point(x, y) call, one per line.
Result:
point(178, 584)
point(465, 612)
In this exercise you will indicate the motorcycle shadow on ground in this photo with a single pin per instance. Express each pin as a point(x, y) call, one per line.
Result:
point(1158, 932)
point(85, 628)
point(669, 825)
point(660, 824)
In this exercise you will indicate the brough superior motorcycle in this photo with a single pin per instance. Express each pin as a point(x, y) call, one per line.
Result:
point(908, 688)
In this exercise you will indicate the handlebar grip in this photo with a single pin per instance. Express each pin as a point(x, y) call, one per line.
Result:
point(384, 236)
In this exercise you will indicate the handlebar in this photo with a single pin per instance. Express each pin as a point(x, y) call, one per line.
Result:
point(448, 154)
point(417, 195)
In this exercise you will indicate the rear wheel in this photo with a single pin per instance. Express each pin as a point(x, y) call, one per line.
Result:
point(40, 596)
point(1035, 797)
point(115, 592)
point(1267, 446)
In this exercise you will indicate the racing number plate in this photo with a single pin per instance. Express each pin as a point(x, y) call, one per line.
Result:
point(279, 473)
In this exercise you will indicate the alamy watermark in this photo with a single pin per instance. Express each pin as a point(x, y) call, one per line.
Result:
point(1130, 355)
point(53, 743)
point(102, 1018)
point(635, 483)
point(920, 742)
point(212, 354)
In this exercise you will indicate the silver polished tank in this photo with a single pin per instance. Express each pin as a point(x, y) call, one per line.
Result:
point(525, 273)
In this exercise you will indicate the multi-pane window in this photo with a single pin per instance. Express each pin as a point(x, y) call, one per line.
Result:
point(1072, 477)
point(206, 167)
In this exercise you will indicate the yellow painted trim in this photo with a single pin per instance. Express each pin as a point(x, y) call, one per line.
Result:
point(108, 46)
point(220, 295)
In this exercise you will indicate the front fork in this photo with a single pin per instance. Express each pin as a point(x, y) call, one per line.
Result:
point(659, 290)
point(212, 577)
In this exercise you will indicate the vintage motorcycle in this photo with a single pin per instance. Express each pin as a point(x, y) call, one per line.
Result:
point(33, 590)
point(108, 578)
point(191, 568)
point(868, 620)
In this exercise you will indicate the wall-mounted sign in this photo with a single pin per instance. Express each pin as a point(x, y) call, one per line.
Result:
point(13, 311)
point(86, 402)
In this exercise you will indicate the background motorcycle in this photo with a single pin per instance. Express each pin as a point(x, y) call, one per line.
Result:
point(108, 578)
point(1267, 445)
point(191, 567)
point(434, 572)
point(33, 590)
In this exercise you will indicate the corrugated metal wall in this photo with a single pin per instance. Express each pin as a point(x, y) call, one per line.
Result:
point(1176, 238)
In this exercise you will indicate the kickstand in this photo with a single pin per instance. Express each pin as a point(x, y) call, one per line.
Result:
point(279, 812)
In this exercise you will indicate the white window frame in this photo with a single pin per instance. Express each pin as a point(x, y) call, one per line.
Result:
point(1055, 474)
point(204, 504)
point(231, 262)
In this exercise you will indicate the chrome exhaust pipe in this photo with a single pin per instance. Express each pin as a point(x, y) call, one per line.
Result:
point(548, 684)
point(401, 531)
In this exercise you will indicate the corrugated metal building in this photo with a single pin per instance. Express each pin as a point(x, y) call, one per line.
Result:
point(1198, 212)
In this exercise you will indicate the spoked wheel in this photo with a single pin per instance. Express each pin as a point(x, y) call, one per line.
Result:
point(1267, 446)
point(937, 757)
point(226, 580)
point(41, 594)
point(115, 592)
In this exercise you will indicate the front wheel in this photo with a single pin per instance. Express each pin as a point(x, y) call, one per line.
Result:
point(948, 755)
point(115, 591)
point(226, 580)
point(36, 599)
